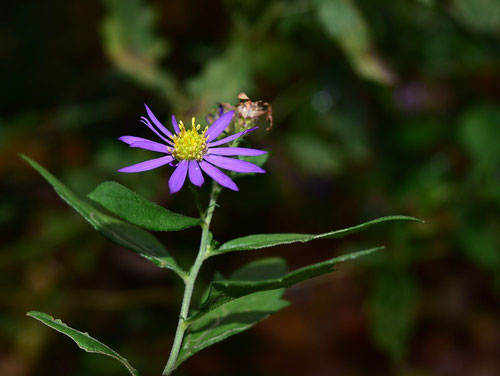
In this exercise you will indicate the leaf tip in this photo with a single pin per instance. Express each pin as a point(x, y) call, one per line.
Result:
point(30, 161)
point(25, 157)
point(376, 249)
point(38, 315)
point(414, 219)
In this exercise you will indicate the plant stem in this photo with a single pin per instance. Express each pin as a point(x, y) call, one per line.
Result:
point(190, 281)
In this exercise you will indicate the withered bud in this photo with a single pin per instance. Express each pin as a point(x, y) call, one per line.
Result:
point(243, 97)
point(249, 110)
point(246, 110)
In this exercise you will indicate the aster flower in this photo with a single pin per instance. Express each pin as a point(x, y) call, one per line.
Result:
point(191, 151)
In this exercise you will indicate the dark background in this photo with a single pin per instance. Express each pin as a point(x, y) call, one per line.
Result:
point(380, 108)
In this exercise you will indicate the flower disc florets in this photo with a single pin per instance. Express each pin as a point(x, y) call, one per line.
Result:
point(189, 144)
point(193, 152)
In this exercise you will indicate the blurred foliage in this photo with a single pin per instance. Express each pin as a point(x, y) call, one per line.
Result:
point(380, 108)
point(342, 20)
point(479, 15)
point(393, 303)
point(130, 41)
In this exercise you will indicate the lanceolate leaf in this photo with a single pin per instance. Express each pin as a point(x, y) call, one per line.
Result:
point(270, 240)
point(223, 292)
point(240, 314)
point(122, 233)
point(393, 304)
point(83, 340)
point(137, 210)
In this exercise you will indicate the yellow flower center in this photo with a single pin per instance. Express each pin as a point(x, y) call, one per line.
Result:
point(189, 144)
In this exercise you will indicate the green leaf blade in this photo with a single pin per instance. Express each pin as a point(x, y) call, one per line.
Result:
point(393, 306)
point(223, 292)
point(344, 23)
point(260, 241)
point(83, 340)
point(240, 314)
point(137, 210)
point(231, 319)
point(121, 233)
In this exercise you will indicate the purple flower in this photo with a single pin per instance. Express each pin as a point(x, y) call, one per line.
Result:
point(192, 151)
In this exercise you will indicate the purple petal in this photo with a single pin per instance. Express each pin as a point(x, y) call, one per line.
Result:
point(218, 176)
point(131, 139)
point(195, 174)
point(233, 164)
point(219, 125)
point(150, 126)
point(178, 177)
point(175, 125)
point(225, 140)
point(150, 145)
point(236, 151)
point(148, 165)
point(152, 116)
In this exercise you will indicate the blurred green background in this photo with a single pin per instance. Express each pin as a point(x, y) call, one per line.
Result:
point(379, 107)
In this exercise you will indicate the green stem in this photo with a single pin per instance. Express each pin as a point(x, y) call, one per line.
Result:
point(190, 281)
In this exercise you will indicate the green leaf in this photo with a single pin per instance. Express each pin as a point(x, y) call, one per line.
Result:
point(481, 16)
point(83, 340)
point(393, 304)
point(314, 153)
point(344, 23)
point(271, 267)
point(270, 240)
point(479, 243)
point(219, 81)
point(129, 25)
point(240, 314)
point(479, 137)
point(223, 292)
point(131, 43)
point(122, 233)
point(137, 210)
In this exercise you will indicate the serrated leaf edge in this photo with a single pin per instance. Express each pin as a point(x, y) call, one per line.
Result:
point(41, 316)
point(82, 208)
point(275, 283)
point(188, 353)
point(226, 247)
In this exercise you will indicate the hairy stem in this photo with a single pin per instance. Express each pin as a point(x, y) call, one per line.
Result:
point(190, 281)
